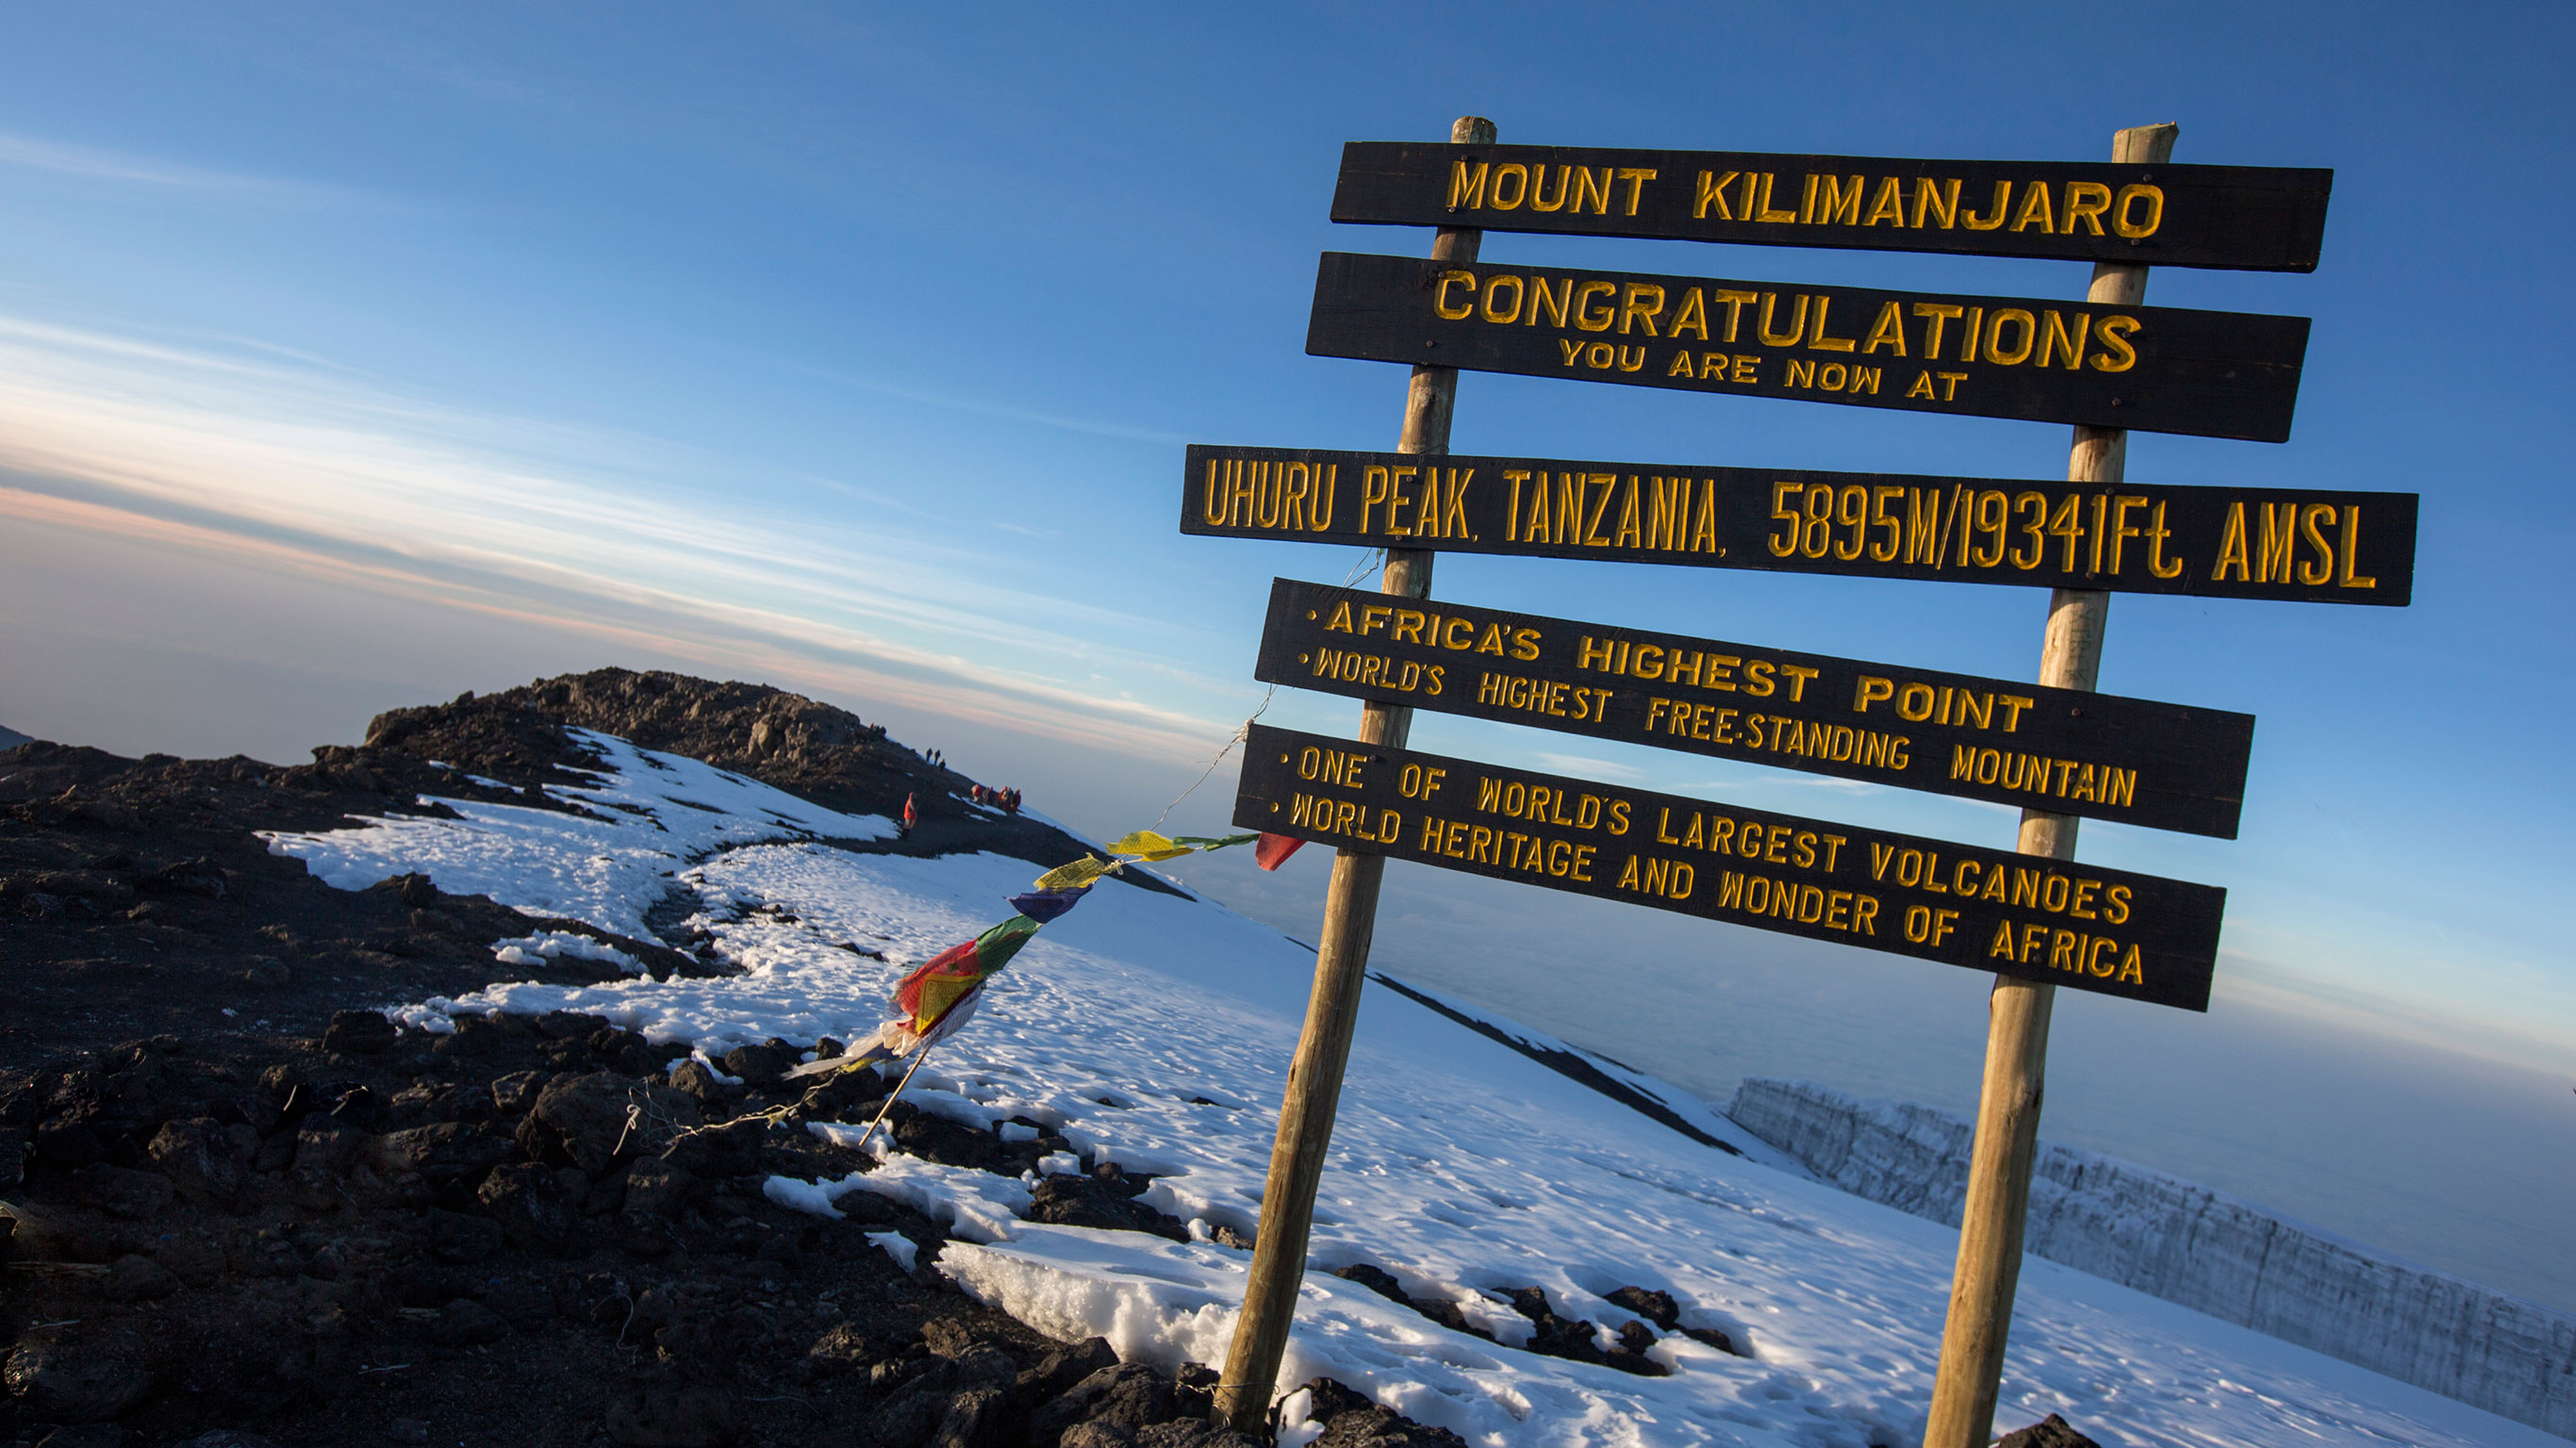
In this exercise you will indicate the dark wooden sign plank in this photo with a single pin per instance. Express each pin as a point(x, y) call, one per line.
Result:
point(2250, 218)
point(2283, 544)
point(2160, 369)
point(2080, 926)
point(2163, 766)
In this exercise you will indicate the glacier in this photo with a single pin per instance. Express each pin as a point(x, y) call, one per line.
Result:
point(2204, 1249)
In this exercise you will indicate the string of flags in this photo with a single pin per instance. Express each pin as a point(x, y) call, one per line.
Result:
point(938, 997)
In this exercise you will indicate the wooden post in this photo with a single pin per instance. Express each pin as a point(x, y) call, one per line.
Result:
point(1998, 1200)
point(1341, 960)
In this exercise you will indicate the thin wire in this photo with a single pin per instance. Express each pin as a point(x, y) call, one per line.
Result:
point(1369, 558)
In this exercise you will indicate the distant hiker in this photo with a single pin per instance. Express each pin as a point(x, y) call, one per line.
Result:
point(911, 816)
point(1011, 801)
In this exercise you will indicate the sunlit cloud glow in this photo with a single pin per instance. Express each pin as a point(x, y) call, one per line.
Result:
point(298, 470)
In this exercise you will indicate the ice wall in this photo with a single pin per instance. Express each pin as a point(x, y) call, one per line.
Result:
point(2203, 1249)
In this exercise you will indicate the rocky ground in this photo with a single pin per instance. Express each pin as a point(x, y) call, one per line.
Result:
point(237, 1213)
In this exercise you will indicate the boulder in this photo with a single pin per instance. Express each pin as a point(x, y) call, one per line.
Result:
point(529, 1205)
point(1376, 1427)
point(693, 1077)
point(446, 1152)
point(1082, 1201)
point(200, 876)
point(671, 1415)
point(456, 1237)
point(1656, 1307)
point(599, 1119)
point(359, 1033)
point(119, 1192)
point(467, 1323)
point(56, 1383)
point(200, 1159)
point(517, 1091)
point(973, 1419)
point(68, 1145)
point(716, 1152)
point(1128, 1395)
point(2049, 1432)
point(133, 1278)
point(760, 1067)
point(845, 1349)
point(657, 1190)
point(1193, 1433)
point(1064, 1367)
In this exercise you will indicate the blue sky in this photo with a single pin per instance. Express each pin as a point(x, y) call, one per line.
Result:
point(356, 355)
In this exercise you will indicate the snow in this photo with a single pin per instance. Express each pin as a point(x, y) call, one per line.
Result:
point(546, 944)
point(607, 865)
point(898, 1246)
point(1154, 1031)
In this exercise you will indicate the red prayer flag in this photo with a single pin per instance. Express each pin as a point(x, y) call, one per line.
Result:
point(1272, 851)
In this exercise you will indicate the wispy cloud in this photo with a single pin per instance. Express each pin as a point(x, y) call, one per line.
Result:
point(1584, 764)
point(985, 408)
point(87, 163)
point(303, 470)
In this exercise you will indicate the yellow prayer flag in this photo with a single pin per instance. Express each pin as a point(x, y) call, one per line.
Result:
point(1148, 846)
point(1075, 875)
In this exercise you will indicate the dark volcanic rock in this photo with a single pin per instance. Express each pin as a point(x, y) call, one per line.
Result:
point(811, 749)
point(238, 1198)
point(1656, 1307)
point(360, 1032)
point(1553, 1335)
point(600, 1119)
point(1376, 1427)
point(200, 1159)
point(2049, 1432)
point(673, 1416)
point(446, 1152)
point(58, 1385)
point(760, 1067)
point(1082, 1201)
point(1129, 1395)
point(119, 1192)
point(530, 1205)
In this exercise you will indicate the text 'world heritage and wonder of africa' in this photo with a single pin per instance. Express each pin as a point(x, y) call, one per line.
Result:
point(2082, 926)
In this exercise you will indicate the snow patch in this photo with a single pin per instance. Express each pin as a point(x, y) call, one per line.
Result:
point(547, 945)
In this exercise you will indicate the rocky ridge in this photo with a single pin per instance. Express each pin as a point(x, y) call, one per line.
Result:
point(235, 1213)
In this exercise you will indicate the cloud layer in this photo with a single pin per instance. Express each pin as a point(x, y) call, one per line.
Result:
point(293, 467)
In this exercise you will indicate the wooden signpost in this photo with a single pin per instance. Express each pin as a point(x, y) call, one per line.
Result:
point(2159, 369)
point(2163, 766)
point(2282, 544)
point(2109, 931)
point(2106, 364)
